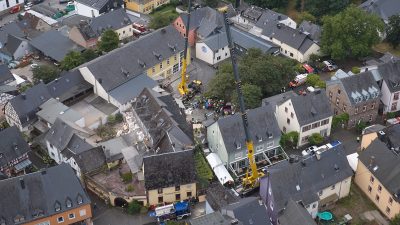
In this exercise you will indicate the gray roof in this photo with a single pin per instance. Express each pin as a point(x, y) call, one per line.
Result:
point(73, 20)
point(12, 145)
point(97, 4)
point(119, 66)
point(90, 160)
point(114, 20)
point(26, 104)
point(261, 121)
point(10, 28)
point(392, 134)
point(241, 38)
point(13, 43)
point(214, 218)
point(211, 23)
point(315, 176)
point(390, 72)
point(41, 192)
point(219, 196)
point(253, 13)
point(132, 88)
point(69, 84)
point(292, 37)
point(312, 29)
point(197, 16)
point(295, 213)
point(382, 8)
point(52, 109)
point(385, 165)
point(169, 169)
point(54, 45)
point(249, 211)
point(308, 108)
point(373, 129)
point(5, 75)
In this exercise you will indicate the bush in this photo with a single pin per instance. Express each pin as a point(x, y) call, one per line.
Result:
point(203, 170)
point(391, 115)
point(289, 140)
point(127, 177)
point(119, 118)
point(316, 139)
point(105, 132)
point(315, 81)
point(355, 70)
point(129, 188)
point(134, 207)
point(340, 119)
point(360, 126)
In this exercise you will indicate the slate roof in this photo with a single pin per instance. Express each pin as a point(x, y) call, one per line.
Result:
point(54, 45)
point(132, 88)
point(382, 8)
point(312, 29)
point(90, 160)
point(315, 176)
point(214, 218)
point(241, 38)
point(26, 104)
point(308, 108)
point(390, 72)
point(69, 84)
point(114, 20)
point(12, 145)
point(123, 64)
point(385, 165)
point(253, 13)
point(112, 148)
point(96, 4)
point(169, 169)
point(12, 44)
point(42, 191)
point(292, 37)
point(196, 16)
point(219, 196)
point(10, 28)
point(53, 109)
point(5, 75)
point(211, 23)
point(295, 213)
point(164, 121)
point(392, 134)
point(357, 83)
point(249, 211)
point(73, 20)
point(261, 121)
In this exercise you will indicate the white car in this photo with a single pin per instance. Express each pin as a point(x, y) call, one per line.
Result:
point(34, 65)
point(26, 8)
point(70, 3)
point(311, 150)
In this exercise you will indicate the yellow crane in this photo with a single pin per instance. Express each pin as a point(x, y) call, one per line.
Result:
point(251, 180)
point(182, 86)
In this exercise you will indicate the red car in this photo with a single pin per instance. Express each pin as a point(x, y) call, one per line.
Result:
point(15, 9)
point(308, 68)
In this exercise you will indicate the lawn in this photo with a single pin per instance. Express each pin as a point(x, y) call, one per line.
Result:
point(163, 16)
point(385, 47)
point(203, 170)
point(354, 204)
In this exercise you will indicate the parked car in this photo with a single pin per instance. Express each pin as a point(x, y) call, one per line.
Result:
point(26, 8)
point(329, 66)
point(15, 9)
point(12, 65)
point(309, 151)
point(63, 1)
point(34, 65)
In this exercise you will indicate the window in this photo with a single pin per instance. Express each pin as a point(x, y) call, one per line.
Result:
point(291, 114)
point(160, 199)
point(271, 206)
point(390, 200)
point(259, 148)
point(177, 188)
point(306, 128)
point(373, 106)
point(175, 58)
point(333, 187)
point(330, 95)
point(344, 107)
point(379, 188)
point(370, 118)
point(394, 106)
point(288, 121)
point(284, 129)
point(270, 144)
point(369, 189)
point(178, 197)
point(286, 109)
point(161, 66)
point(315, 125)
point(396, 96)
point(123, 32)
point(364, 108)
point(314, 206)
point(226, 54)
point(291, 54)
point(189, 194)
point(377, 198)
point(338, 91)
point(160, 191)
point(153, 69)
point(320, 193)
point(68, 203)
point(216, 51)
point(324, 122)
point(387, 210)
point(60, 219)
point(337, 101)
point(356, 110)
point(372, 179)
point(168, 62)
point(71, 216)
point(82, 212)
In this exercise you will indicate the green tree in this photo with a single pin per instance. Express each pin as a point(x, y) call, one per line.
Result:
point(252, 95)
point(223, 83)
point(315, 81)
point(395, 220)
point(321, 8)
point(162, 19)
point(109, 41)
point(393, 31)
point(45, 73)
point(340, 119)
point(211, 3)
point(25, 87)
point(355, 70)
point(271, 4)
point(134, 207)
point(360, 126)
point(306, 16)
point(316, 139)
point(72, 60)
point(289, 140)
point(89, 54)
point(350, 33)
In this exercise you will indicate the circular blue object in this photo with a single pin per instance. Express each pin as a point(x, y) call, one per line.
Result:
point(204, 49)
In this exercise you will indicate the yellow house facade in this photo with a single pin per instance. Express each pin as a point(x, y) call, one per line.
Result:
point(144, 6)
point(168, 66)
point(171, 194)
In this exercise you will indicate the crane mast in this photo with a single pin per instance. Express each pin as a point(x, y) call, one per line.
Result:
point(250, 181)
point(182, 87)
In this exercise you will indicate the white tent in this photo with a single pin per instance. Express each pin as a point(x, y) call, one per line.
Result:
point(353, 160)
point(219, 169)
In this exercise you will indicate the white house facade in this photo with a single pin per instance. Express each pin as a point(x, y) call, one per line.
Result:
point(390, 99)
point(205, 53)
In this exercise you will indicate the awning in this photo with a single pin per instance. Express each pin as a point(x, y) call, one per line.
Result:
point(22, 165)
point(219, 169)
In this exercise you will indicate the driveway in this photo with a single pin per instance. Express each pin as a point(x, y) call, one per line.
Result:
point(348, 139)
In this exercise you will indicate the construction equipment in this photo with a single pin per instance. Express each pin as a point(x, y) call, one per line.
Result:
point(251, 181)
point(298, 80)
point(182, 87)
point(176, 211)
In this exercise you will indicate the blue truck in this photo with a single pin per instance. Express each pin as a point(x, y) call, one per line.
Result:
point(176, 211)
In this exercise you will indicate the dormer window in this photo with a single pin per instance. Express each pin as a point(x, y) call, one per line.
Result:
point(19, 218)
point(68, 203)
point(79, 199)
point(37, 213)
point(238, 145)
point(57, 206)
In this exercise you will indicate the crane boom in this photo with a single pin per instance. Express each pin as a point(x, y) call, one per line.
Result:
point(182, 87)
point(251, 181)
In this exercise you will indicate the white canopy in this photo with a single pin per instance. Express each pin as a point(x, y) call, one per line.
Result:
point(219, 169)
point(353, 160)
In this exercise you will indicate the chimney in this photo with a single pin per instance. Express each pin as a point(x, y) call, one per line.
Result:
point(22, 182)
point(234, 222)
point(371, 161)
point(23, 95)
